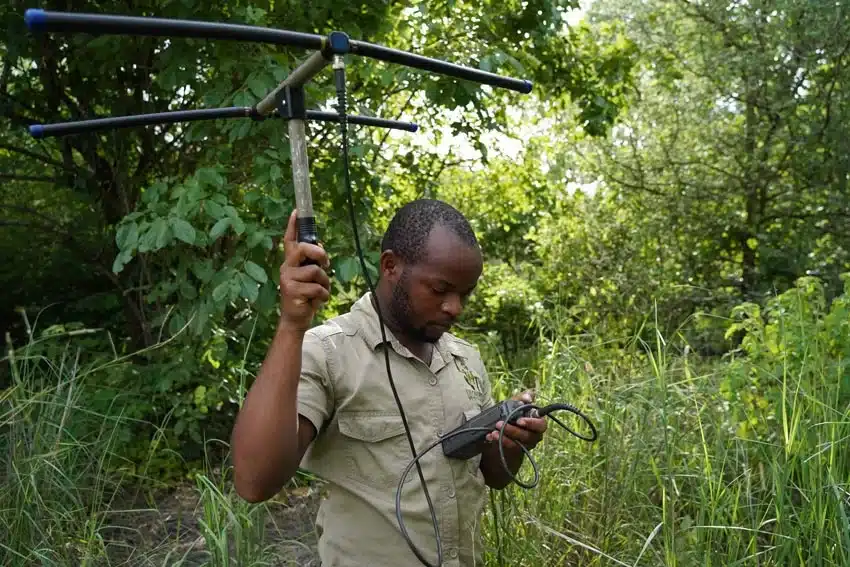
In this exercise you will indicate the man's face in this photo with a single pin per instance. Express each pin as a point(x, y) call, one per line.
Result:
point(428, 297)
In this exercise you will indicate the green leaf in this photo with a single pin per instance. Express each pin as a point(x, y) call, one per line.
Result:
point(117, 265)
point(241, 130)
point(256, 272)
point(161, 229)
point(176, 323)
point(280, 72)
point(215, 210)
point(195, 192)
point(275, 173)
point(199, 395)
point(235, 287)
point(268, 297)
point(221, 290)
point(248, 288)
point(127, 235)
point(255, 238)
point(188, 291)
point(238, 225)
point(199, 323)
point(203, 269)
point(347, 268)
point(242, 98)
point(258, 86)
point(183, 230)
point(219, 227)
point(209, 176)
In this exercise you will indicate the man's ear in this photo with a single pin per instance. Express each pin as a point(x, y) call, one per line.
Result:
point(391, 266)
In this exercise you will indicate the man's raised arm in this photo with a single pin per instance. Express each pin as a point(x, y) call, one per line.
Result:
point(269, 437)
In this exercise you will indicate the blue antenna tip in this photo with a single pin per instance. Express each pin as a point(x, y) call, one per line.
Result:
point(35, 18)
point(37, 130)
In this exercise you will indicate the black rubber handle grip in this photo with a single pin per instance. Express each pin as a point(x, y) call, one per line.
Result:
point(307, 233)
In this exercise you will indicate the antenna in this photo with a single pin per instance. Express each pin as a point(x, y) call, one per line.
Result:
point(286, 101)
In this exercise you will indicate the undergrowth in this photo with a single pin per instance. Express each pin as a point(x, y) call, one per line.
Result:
point(66, 481)
point(740, 461)
point(699, 462)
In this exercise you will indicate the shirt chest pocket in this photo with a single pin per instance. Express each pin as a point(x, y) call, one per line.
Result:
point(375, 448)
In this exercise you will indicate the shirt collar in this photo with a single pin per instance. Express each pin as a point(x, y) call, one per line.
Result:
point(370, 330)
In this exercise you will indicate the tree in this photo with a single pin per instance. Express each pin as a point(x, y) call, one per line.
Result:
point(735, 144)
point(178, 227)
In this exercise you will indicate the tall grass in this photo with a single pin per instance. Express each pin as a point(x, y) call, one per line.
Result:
point(743, 461)
point(65, 481)
point(55, 455)
point(732, 462)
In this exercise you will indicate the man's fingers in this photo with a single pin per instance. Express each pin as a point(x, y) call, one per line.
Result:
point(519, 434)
point(536, 424)
point(493, 437)
point(301, 292)
point(314, 252)
point(309, 273)
point(299, 251)
point(527, 436)
point(290, 233)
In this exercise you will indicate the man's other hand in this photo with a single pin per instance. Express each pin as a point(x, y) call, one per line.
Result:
point(528, 430)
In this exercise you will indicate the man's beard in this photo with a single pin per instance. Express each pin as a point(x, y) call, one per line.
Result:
point(402, 312)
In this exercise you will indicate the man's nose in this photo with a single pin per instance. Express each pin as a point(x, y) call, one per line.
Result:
point(453, 306)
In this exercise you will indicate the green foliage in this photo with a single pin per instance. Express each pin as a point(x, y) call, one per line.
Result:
point(67, 471)
point(59, 455)
point(680, 474)
point(212, 250)
point(732, 149)
point(797, 342)
point(234, 530)
point(505, 307)
point(680, 193)
point(171, 233)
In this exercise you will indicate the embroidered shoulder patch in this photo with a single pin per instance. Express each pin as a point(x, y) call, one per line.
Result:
point(472, 379)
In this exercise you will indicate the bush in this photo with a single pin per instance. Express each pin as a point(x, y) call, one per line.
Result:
point(699, 461)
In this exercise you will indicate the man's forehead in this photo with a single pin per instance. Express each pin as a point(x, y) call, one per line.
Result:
point(443, 242)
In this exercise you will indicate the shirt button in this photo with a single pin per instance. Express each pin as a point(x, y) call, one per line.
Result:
point(451, 493)
point(433, 381)
point(453, 553)
point(437, 429)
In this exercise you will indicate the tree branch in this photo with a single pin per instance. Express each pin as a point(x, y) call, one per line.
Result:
point(34, 155)
point(36, 178)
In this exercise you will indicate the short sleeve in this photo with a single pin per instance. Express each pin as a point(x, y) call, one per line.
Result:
point(315, 391)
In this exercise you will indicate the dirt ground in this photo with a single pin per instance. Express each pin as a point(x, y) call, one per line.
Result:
point(171, 533)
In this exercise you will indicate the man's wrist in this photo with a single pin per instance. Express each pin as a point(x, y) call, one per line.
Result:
point(290, 330)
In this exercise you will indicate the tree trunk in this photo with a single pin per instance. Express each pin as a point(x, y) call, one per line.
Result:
point(748, 236)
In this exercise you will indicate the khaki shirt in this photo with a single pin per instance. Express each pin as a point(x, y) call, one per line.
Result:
point(362, 450)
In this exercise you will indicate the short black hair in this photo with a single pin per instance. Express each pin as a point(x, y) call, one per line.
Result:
point(412, 224)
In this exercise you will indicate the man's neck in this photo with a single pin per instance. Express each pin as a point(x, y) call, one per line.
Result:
point(423, 350)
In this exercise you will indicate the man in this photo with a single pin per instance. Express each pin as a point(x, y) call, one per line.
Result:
point(322, 398)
